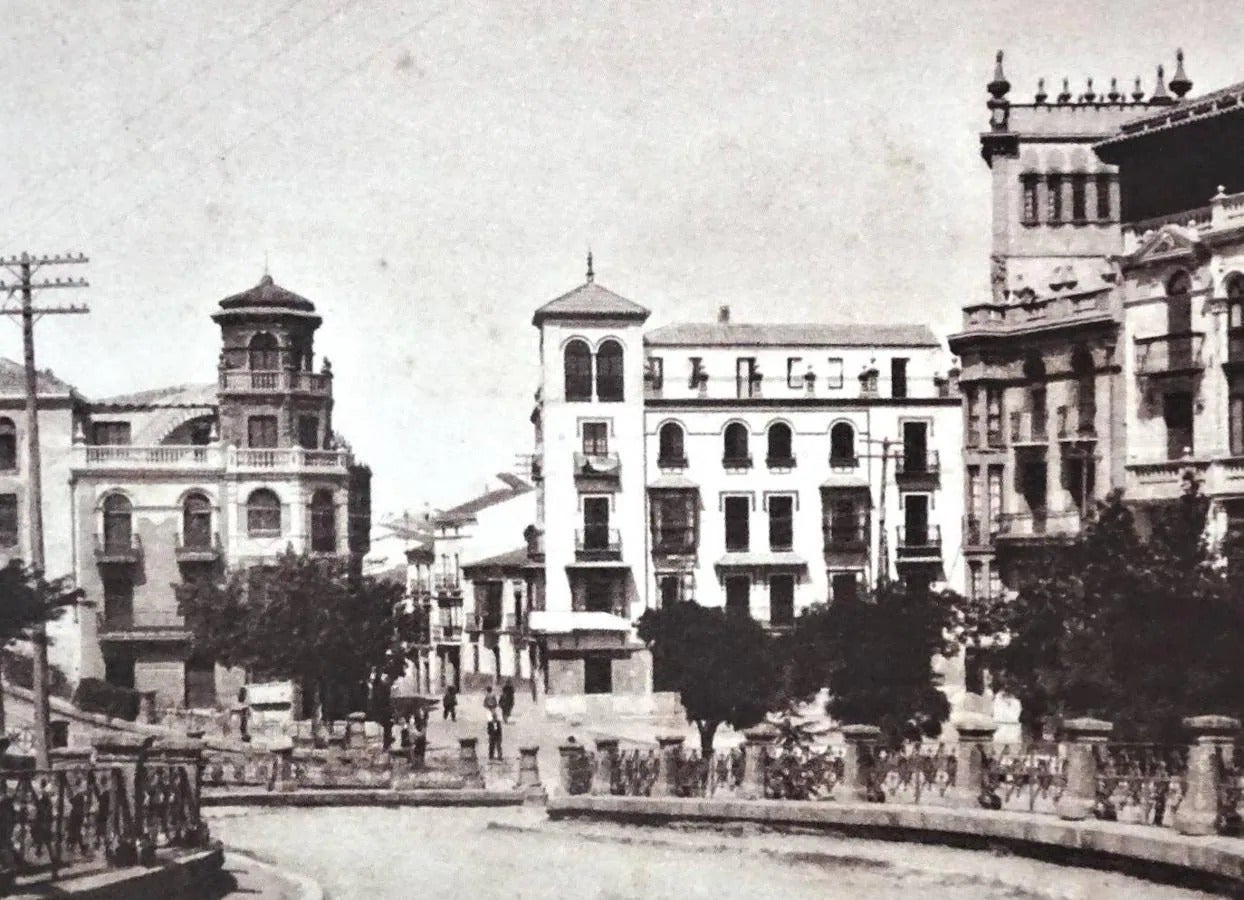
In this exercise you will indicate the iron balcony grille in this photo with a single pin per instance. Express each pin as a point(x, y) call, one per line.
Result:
point(1169, 354)
point(674, 539)
point(1076, 423)
point(919, 542)
point(917, 464)
point(118, 548)
point(598, 541)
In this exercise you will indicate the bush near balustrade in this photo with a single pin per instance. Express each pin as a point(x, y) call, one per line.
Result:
point(1137, 622)
point(98, 696)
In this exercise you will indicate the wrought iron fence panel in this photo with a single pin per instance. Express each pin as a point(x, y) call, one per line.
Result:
point(1141, 783)
point(915, 773)
point(634, 773)
point(50, 819)
point(1029, 777)
point(1230, 786)
point(800, 773)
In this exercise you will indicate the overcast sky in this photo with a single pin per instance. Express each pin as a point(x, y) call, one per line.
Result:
point(429, 173)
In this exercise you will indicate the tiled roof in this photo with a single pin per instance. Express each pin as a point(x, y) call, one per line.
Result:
point(589, 300)
point(809, 334)
point(1194, 109)
point(268, 294)
point(13, 380)
point(513, 559)
point(181, 395)
point(464, 512)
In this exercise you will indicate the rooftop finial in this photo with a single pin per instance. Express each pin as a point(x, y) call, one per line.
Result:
point(1114, 96)
point(1065, 96)
point(265, 264)
point(1041, 94)
point(1089, 96)
point(999, 86)
point(591, 274)
point(1160, 97)
point(1138, 93)
point(1180, 84)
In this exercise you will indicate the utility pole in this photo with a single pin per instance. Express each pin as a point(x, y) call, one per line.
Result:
point(883, 543)
point(24, 267)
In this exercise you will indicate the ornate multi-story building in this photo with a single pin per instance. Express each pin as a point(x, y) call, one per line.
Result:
point(759, 468)
point(150, 489)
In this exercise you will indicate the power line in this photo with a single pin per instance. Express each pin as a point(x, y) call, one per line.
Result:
point(185, 120)
point(271, 123)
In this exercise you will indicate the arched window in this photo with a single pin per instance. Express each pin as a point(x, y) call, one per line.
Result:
point(263, 513)
point(323, 523)
point(672, 450)
point(8, 445)
point(578, 366)
point(842, 445)
point(264, 355)
point(609, 372)
point(737, 454)
point(196, 522)
point(780, 452)
point(1085, 372)
point(118, 524)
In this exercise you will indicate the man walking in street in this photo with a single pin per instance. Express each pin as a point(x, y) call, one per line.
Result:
point(494, 736)
point(507, 700)
point(490, 702)
point(449, 704)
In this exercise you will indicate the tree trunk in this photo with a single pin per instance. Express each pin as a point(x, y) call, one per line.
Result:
point(3, 719)
point(707, 728)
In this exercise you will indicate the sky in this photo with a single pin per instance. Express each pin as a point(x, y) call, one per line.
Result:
point(428, 173)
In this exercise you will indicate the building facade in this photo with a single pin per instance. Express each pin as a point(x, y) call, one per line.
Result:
point(759, 468)
point(151, 489)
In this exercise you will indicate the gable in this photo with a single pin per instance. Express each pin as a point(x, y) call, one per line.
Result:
point(1170, 242)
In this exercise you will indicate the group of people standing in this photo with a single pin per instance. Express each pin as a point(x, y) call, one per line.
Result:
point(499, 707)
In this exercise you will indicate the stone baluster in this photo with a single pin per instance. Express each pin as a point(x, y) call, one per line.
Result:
point(1083, 736)
point(572, 757)
point(975, 734)
point(1212, 739)
point(356, 731)
point(669, 754)
point(468, 763)
point(529, 784)
point(63, 759)
point(606, 762)
point(757, 742)
point(857, 760)
point(282, 780)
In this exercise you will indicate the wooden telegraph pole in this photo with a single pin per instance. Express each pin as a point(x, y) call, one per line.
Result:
point(883, 541)
point(25, 267)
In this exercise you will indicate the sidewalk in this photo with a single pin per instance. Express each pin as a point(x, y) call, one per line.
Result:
point(245, 876)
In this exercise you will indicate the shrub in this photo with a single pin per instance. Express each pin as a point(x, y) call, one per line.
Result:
point(98, 696)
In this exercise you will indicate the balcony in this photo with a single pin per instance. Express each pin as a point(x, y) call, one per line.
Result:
point(780, 462)
point(597, 543)
point(919, 545)
point(1029, 430)
point(212, 457)
point(143, 626)
point(118, 550)
point(1075, 425)
point(916, 465)
point(446, 583)
point(478, 622)
point(1235, 349)
point(198, 548)
point(605, 466)
point(672, 461)
point(674, 540)
point(737, 461)
point(1169, 354)
point(245, 381)
point(1039, 526)
point(286, 459)
point(849, 537)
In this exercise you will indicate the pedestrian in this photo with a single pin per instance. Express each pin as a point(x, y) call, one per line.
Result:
point(419, 744)
point(490, 702)
point(404, 734)
point(507, 700)
point(494, 736)
point(449, 704)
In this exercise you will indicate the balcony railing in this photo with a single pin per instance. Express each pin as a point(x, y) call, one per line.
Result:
point(1235, 347)
point(919, 543)
point(786, 461)
point(916, 465)
point(446, 632)
point(1031, 428)
point(674, 540)
point(672, 461)
point(247, 381)
point(1076, 423)
point(198, 548)
point(151, 623)
point(484, 622)
point(1039, 524)
point(598, 543)
point(118, 549)
point(446, 583)
point(213, 457)
point(845, 537)
point(597, 465)
point(737, 461)
point(1169, 354)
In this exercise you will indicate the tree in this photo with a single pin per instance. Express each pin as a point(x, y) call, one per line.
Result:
point(1138, 628)
point(302, 618)
point(723, 665)
point(875, 654)
point(27, 600)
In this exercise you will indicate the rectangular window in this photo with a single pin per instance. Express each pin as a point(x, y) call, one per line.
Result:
point(595, 438)
point(781, 523)
point(782, 600)
point(1030, 212)
point(738, 513)
point(973, 671)
point(845, 525)
point(794, 377)
point(976, 581)
point(747, 377)
point(488, 598)
point(973, 501)
point(993, 412)
point(833, 377)
point(671, 590)
point(972, 407)
point(739, 595)
point(1177, 412)
point(898, 377)
point(119, 667)
point(118, 604)
point(674, 521)
point(916, 448)
point(308, 432)
point(110, 433)
point(261, 432)
point(597, 591)
point(654, 373)
point(1104, 211)
point(8, 520)
point(844, 586)
point(995, 582)
point(993, 514)
point(916, 520)
point(596, 523)
point(699, 377)
point(1054, 199)
point(597, 674)
point(1079, 198)
point(1236, 416)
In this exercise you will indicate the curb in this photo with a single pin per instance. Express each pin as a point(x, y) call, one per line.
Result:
point(363, 797)
point(308, 888)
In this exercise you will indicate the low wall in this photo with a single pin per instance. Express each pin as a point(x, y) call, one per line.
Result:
point(364, 797)
point(1216, 863)
point(190, 875)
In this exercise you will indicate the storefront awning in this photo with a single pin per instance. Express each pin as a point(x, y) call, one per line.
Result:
point(598, 564)
point(568, 621)
point(674, 483)
point(762, 561)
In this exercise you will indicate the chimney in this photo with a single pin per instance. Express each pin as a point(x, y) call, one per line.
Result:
point(723, 315)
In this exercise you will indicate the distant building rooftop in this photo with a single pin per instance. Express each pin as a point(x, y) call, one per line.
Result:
point(730, 334)
point(589, 301)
